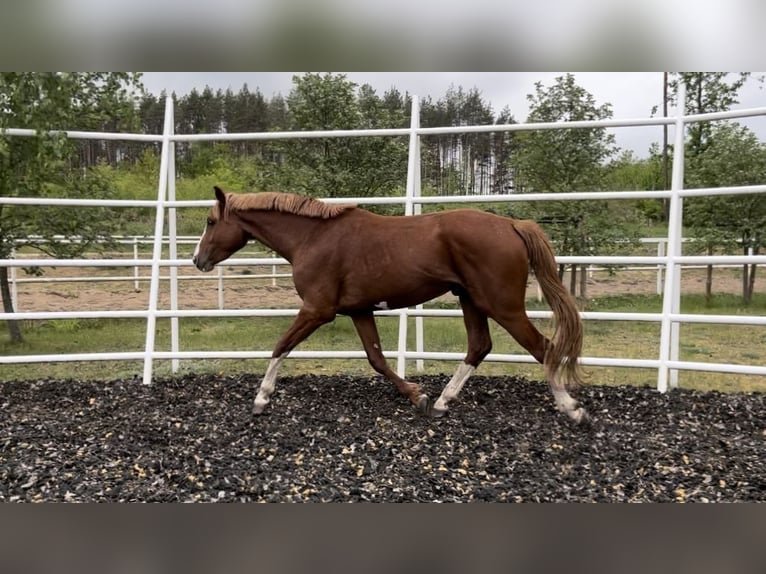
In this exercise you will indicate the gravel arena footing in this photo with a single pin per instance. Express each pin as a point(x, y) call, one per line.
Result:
point(353, 439)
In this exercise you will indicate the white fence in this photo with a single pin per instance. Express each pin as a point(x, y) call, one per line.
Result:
point(667, 362)
point(137, 277)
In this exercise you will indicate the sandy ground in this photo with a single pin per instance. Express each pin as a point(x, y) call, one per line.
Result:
point(242, 290)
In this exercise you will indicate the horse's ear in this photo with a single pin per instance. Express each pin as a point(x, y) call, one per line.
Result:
point(220, 196)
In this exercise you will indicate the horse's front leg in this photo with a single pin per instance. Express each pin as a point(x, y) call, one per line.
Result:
point(368, 333)
point(307, 321)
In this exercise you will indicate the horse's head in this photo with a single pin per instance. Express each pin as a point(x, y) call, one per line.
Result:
point(221, 238)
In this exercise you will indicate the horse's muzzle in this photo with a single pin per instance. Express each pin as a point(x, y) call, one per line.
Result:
point(202, 267)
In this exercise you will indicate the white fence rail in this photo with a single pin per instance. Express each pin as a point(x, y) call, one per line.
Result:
point(670, 261)
point(276, 262)
point(136, 276)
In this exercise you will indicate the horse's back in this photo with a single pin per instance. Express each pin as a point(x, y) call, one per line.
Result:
point(457, 235)
point(481, 232)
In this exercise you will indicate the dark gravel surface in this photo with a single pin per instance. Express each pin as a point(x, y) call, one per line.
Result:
point(355, 439)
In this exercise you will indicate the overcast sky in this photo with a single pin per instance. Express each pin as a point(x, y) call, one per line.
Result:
point(631, 94)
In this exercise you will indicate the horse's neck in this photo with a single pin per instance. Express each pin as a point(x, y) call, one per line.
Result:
point(282, 232)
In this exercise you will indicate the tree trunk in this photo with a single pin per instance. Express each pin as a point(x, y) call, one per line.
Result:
point(751, 280)
point(709, 280)
point(573, 280)
point(745, 275)
point(583, 287)
point(14, 327)
point(562, 268)
point(751, 285)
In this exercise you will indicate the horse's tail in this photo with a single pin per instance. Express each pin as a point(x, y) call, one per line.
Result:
point(566, 343)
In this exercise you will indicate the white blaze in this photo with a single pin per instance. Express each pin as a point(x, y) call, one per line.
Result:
point(196, 249)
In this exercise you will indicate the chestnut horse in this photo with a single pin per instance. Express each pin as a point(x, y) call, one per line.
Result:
point(349, 261)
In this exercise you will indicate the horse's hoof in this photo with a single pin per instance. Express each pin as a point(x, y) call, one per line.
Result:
point(437, 413)
point(258, 408)
point(424, 404)
point(580, 416)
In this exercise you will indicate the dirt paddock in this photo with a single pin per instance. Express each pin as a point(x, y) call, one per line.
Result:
point(244, 291)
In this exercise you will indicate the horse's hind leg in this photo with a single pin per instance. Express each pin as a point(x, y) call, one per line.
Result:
point(306, 322)
point(519, 326)
point(368, 334)
point(479, 346)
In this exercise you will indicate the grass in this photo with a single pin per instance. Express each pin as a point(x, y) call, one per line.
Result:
point(699, 342)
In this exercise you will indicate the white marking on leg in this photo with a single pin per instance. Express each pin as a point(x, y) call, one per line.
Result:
point(565, 403)
point(267, 384)
point(452, 389)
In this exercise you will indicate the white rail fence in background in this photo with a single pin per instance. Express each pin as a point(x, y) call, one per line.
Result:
point(277, 262)
point(667, 362)
point(137, 277)
point(135, 241)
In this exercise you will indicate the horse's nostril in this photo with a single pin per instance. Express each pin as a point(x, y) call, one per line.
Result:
point(194, 259)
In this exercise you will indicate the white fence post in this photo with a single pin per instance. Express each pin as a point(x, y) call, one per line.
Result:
point(675, 326)
point(14, 283)
point(154, 289)
point(412, 168)
point(172, 242)
point(671, 297)
point(417, 209)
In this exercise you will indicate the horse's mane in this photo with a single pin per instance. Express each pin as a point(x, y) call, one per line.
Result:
point(284, 202)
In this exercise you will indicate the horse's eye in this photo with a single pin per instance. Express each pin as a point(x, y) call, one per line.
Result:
point(210, 221)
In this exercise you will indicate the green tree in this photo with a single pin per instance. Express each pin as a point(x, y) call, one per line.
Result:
point(502, 153)
point(322, 102)
point(39, 166)
point(712, 92)
point(339, 167)
point(398, 107)
point(706, 92)
point(151, 111)
point(629, 173)
point(245, 111)
point(277, 114)
point(199, 113)
point(460, 163)
point(567, 160)
point(733, 156)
